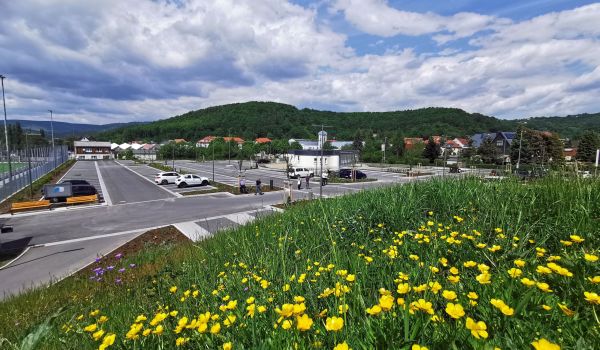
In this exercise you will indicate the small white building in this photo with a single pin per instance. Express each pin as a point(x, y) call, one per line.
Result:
point(333, 160)
point(92, 150)
point(147, 152)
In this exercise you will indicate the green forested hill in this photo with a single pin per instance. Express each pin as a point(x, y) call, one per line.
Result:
point(275, 120)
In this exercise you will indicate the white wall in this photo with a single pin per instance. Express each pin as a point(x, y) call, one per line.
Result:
point(308, 161)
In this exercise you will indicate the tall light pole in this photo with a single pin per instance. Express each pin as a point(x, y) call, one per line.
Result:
point(322, 144)
point(2, 77)
point(520, 143)
point(229, 147)
point(52, 131)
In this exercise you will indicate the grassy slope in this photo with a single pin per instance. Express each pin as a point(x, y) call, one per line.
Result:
point(343, 231)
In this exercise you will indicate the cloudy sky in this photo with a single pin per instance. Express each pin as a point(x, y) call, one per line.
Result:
point(108, 61)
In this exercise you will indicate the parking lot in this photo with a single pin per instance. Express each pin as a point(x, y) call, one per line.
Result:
point(87, 171)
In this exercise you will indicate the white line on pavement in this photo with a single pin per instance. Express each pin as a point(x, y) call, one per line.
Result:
point(15, 259)
point(147, 179)
point(105, 194)
point(193, 231)
point(83, 239)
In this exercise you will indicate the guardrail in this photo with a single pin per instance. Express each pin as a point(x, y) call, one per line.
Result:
point(31, 205)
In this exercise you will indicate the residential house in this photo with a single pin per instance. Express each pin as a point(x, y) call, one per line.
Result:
point(570, 154)
point(92, 150)
point(148, 151)
point(205, 141)
point(503, 140)
point(263, 140)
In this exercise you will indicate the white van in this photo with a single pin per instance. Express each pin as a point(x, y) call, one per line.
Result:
point(300, 172)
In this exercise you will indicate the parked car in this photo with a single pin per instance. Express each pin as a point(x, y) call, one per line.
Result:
point(83, 190)
point(191, 180)
point(347, 174)
point(166, 177)
point(300, 172)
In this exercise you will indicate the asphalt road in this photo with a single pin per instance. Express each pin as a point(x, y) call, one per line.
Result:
point(125, 186)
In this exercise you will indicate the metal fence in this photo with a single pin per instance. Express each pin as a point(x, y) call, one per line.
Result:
point(28, 166)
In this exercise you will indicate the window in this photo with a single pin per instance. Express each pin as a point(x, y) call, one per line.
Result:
point(500, 143)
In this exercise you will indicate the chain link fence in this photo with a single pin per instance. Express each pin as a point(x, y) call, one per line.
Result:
point(28, 166)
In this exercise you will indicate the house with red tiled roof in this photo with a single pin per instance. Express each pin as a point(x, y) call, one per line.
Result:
point(262, 140)
point(235, 139)
point(570, 154)
point(179, 141)
point(411, 142)
point(205, 141)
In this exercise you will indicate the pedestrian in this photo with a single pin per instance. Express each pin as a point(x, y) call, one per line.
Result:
point(258, 189)
point(243, 188)
point(299, 182)
point(324, 177)
point(308, 181)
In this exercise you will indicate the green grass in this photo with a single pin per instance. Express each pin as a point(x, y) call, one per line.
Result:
point(375, 236)
point(14, 165)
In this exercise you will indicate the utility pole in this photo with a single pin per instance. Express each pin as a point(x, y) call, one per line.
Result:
point(2, 77)
point(520, 142)
point(229, 147)
point(52, 130)
point(213, 162)
point(173, 156)
point(384, 147)
point(322, 135)
point(29, 162)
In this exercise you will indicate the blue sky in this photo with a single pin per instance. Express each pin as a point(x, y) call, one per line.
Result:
point(117, 61)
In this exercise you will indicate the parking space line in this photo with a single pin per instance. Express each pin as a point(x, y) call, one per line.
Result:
point(147, 179)
point(105, 194)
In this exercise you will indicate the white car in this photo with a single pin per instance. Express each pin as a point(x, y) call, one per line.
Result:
point(166, 177)
point(300, 172)
point(191, 180)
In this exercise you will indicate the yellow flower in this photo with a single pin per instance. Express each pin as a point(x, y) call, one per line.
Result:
point(470, 263)
point(484, 278)
point(181, 341)
point(374, 311)
point(102, 319)
point(342, 346)
point(566, 243)
point(173, 289)
point(544, 287)
point(576, 238)
point(418, 347)
point(472, 295)
point(286, 310)
point(519, 263)
point(134, 330)
point(158, 330)
point(140, 318)
point(227, 346)
point(449, 295)
point(478, 329)
point(216, 328)
point(544, 344)
point(94, 313)
point(595, 279)
point(261, 309)
point(287, 324)
point(303, 323)
point(590, 257)
point(91, 328)
point(546, 307)
point(526, 281)
point(565, 309)
point(334, 324)
point(386, 302)
point(454, 279)
point(229, 320)
point(514, 272)
point(543, 270)
point(592, 297)
point(455, 311)
point(146, 332)
point(351, 278)
point(97, 335)
point(403, 288)
point(434, 287)
point(342, 309)
point(107, 341)
point(250, 300)
point(421, 305)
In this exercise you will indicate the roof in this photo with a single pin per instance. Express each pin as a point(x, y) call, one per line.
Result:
point(179, 140)
point(572, 152)
point(207, 139)
point(263, 140)
point(149, 146)
point(234, 139)
point(317, 152)
point(91, 144)
point(479, 138)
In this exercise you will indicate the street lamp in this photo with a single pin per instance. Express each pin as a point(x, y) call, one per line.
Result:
point(520, 143)
point(2, 77)
point(52, 131)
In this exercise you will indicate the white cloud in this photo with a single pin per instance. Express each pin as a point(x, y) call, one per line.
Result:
point(378, 18)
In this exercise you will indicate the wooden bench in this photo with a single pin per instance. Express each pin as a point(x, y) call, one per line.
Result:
point(32, 205)
point(82, 199)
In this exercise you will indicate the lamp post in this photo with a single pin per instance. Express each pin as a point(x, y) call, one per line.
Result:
point(520, 143)
point(52, 131)
point(2, 77)
point(29, 162)
point(229, 148)
point(213, 162)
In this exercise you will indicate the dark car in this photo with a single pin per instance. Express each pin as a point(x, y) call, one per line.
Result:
point(76, 182)
point(83, 190)
point(347, 174)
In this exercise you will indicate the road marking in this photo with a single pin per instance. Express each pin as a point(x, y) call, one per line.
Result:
point(240, 218)
point(193, 231)
point(15, 259)
point(83, 239)
point(147, 179)
point(105, 194)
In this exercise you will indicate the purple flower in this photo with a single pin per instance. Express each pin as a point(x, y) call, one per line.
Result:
point(246, 289)
point(119, 255)
point(121, 270)
point(132, 265)
point(118, 281)
point(99, 279)
point(98, 259)
point(110, 268)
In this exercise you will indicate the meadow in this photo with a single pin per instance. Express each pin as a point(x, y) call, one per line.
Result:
point(442, 264)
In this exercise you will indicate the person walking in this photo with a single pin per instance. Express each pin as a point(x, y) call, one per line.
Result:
point(324, 177)
point(308, 181)
point(299, 182)
point(243, 188)
point(258, 189)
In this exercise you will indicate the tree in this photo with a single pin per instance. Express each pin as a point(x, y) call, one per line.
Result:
point(432, 150)
point(590, 142)
point(357, 144)
point(295, 145)
point(328, 146)
point(488, 151)
point(42, 133)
